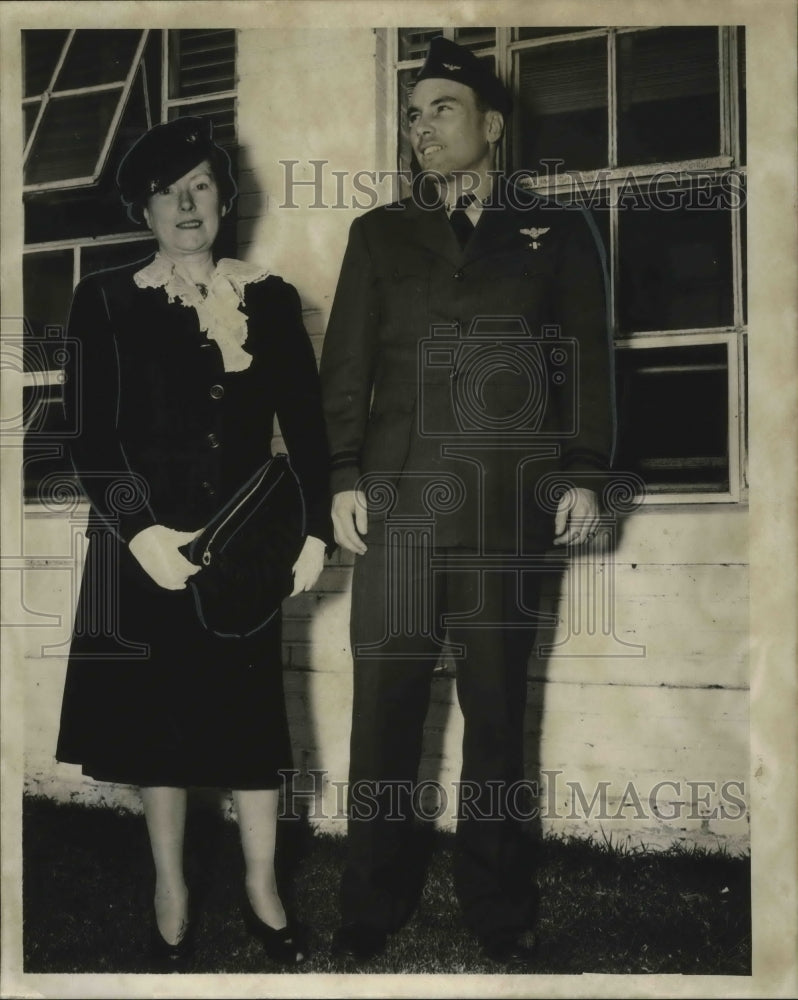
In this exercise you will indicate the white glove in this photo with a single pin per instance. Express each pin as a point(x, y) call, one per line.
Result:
point(309, 565)
point(156, 550)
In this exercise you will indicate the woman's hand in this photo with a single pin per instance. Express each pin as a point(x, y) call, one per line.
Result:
point(307, 569)
point(156, 549)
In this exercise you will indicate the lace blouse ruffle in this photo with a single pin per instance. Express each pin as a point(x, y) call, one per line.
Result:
point(219, 309)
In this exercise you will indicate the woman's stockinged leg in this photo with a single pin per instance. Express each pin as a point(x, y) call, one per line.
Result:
point(165, 812)
point(257, 820)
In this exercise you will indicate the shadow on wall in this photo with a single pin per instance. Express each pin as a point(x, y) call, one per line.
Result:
point(251, 206)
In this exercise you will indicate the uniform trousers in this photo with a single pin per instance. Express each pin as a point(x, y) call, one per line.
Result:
point(402, 596)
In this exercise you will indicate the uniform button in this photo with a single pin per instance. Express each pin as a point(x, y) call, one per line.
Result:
point(217, 391)
point(458, 275)
point(213, 440)
point(209, 489)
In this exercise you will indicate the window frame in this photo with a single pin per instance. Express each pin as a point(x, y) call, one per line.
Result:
point(167, 102)
point(609, 179)
point(49, 94)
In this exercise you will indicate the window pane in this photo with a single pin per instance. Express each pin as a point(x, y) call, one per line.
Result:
point(744, 252)
point(47, 293)
point(546, 32)
point(44, 452)
point(40, 52)
point(599, 212)
point(29, 112)
point(563, 99)
point(222, 114)
point(414, 42)
point(405, 81)
point(675, 262)
point(98, 56)
point(475, 38)
point(103, 256)
point(741, 93)
point(668, 95)
point(673, 416)
point(47, 290)
point(203, 61)
point(70, 137)
point(88, 212)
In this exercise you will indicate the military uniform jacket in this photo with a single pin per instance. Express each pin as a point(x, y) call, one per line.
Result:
point(459, 382)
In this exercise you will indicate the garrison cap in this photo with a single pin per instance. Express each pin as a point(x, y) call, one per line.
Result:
point(446, 60)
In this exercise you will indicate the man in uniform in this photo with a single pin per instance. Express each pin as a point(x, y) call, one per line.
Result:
point(466, 375)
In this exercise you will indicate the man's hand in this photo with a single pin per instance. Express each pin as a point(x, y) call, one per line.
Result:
point(307, 569)
point(349, 520)
point(577, 517)
point(156, 549)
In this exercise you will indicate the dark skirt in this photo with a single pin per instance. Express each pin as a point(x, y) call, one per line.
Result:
point(152, 698)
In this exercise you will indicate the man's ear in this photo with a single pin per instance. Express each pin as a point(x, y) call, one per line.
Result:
point(494, 121)
point(146, 215)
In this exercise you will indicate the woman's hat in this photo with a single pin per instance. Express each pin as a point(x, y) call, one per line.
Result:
point(167, 152)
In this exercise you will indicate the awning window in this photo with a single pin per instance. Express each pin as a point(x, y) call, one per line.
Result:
point(71, 124)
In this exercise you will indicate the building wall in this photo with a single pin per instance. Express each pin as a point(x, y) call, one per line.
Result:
point(645, 701)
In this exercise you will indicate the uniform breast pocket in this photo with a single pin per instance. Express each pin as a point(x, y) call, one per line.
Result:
point(513, 286)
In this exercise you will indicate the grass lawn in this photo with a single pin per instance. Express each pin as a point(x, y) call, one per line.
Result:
point(88, 888)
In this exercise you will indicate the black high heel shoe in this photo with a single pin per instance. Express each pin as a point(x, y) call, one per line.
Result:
point(166, 957)
point(286, 945)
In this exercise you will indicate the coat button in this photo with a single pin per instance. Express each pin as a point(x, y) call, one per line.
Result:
point(209, 489)
point(217, 391)
point(458, 275)
point(213, 440)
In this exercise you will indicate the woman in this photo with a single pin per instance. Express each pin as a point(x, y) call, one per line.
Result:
point(181, 365)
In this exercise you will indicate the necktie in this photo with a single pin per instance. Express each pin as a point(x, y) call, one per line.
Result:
point(461, 224)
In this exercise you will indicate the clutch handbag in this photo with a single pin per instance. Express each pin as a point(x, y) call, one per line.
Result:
point(247, 552)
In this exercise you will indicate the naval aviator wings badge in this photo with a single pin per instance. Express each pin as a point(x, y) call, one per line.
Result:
point(534, 236)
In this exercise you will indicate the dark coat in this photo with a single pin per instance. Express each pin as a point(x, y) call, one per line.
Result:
point(159, 442)
point(166, 436)
point(426, 351)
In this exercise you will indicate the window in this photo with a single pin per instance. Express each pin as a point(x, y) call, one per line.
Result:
point(76, 86)
point(645, 127)
point(87, 96)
